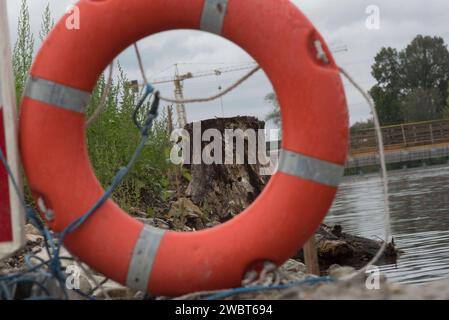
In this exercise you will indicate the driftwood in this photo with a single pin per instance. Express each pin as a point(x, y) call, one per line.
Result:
point(336, 247)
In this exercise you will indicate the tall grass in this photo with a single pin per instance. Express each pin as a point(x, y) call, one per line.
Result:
point(23, 50)
point(113, 137)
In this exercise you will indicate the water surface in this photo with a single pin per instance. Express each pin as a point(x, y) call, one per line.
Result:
point(419, 204)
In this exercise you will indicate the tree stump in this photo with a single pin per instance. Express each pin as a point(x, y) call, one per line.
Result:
point(224, 190)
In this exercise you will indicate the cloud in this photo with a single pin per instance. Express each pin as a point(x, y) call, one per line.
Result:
point(342, 23)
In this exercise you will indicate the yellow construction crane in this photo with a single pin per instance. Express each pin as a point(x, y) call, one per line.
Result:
point(178, 81)
point(201, 74)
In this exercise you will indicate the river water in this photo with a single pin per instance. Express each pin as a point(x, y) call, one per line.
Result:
point(419, 204)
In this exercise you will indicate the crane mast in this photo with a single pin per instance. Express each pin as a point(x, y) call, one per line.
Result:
point(179, 95)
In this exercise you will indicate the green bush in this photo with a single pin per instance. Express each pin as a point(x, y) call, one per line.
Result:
point(112, 139)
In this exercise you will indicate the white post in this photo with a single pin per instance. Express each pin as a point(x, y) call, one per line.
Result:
point(11, 212)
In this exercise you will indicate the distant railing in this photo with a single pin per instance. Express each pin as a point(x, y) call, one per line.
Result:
point(400, 136)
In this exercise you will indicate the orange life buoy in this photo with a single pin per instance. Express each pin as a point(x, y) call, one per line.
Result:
point(314, 147)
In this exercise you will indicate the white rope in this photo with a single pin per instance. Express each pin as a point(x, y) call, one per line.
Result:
point(217, 96)
point(104, 97)
point(384, 178)
point(140, 62)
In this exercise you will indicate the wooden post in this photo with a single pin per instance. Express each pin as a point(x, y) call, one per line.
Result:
point(431, 134)
point(12, 215)
point(403, 136)
point(311, 257)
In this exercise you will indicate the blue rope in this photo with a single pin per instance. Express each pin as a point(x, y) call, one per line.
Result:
point(257, 289)
point(7, 282)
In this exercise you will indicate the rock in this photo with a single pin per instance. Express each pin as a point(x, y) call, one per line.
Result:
point(115, 291)
point(33, 236)
point(30, 229)
point(333, 267)
point(212, 224)
point(184, 213)
point(34, 240)
point(155, 222)
point(292, 270)
point(340, 272)
point(185, 207)
point(293, 266)
point(85, 285)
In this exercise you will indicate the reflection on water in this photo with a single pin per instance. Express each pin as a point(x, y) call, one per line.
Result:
point(419, 203)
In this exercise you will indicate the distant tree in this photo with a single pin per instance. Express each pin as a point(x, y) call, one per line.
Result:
point(386, 93)
point(425, 65)
point(362, 125)
point(445, 114)
point(274, 115)
point(388, 102)
point(420, 71)
point(421, 105)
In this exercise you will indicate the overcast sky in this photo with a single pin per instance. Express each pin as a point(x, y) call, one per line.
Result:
point(342, 23)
